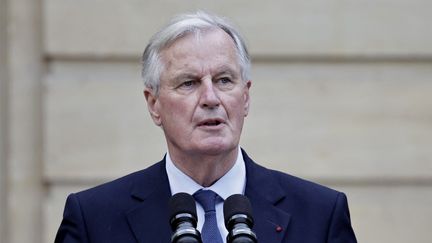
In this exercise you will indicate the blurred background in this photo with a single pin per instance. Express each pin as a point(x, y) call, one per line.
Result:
point(341, 95)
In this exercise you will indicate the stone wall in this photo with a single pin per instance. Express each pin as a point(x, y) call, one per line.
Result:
point(340, 95)
point(3, 120)
point(22, 161)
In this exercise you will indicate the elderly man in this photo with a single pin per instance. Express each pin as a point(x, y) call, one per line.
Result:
point(197, 77)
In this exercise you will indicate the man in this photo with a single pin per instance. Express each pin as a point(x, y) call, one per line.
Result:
point(197, 77)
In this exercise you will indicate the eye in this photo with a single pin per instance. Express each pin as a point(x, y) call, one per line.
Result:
point(225, 80)
point(225, 83)
point(187, 84)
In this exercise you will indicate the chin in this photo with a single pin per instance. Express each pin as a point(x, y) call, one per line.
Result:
point(216, 148)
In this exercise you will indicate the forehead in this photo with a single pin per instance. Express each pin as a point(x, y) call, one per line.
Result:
point(201, 49)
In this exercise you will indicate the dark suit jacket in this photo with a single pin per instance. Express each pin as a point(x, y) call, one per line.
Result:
point(135, 209)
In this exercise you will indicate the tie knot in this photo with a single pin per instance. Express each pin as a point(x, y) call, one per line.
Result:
point(207, 199)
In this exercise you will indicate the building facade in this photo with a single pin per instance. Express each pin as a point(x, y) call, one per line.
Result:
point(341, 95)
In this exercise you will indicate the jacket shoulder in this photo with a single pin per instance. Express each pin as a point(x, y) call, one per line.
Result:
point(290, 187)
point(304, 186)
point(122, 187)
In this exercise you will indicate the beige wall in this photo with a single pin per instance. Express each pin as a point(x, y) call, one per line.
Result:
point(24, 122)
point(22, 116)
point(3, 120)
point(341, 96)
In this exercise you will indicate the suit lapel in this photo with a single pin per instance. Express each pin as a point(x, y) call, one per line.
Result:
point(271, 223)
point(149, 219)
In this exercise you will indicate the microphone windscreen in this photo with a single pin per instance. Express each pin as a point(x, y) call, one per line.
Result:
point(236, 204)
point(182, 203)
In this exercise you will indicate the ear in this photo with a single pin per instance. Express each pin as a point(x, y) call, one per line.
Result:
point(152, 105)
point(246, 97)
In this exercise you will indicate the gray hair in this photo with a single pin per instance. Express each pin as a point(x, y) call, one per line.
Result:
point(180, 26)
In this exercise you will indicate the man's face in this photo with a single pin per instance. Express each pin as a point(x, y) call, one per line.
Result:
point(202, 99)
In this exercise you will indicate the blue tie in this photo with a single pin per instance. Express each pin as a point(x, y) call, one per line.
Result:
point(210, 231)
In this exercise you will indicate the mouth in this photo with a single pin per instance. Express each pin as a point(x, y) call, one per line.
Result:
point(210, 123)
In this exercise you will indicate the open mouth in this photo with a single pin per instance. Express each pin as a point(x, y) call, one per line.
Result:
point(213, 123)
point(210, 123)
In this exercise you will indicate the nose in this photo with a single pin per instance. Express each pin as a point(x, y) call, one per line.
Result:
point(208, 96)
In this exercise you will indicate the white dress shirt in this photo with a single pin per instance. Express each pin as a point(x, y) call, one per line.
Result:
point(233, 182)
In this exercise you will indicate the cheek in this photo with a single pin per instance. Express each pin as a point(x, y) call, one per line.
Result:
point(236, 109)
point(176, 110)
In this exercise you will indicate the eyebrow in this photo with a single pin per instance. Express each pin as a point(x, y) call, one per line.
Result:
point(185, 75)
point(192, 74)
point(225, 69)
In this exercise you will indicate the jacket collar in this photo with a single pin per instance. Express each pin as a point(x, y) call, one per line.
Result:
point(149, 219)
point(265, 193)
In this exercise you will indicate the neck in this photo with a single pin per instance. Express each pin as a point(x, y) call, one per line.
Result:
point(205, 169)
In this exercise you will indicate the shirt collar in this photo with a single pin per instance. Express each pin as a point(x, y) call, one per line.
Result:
point(233, 182)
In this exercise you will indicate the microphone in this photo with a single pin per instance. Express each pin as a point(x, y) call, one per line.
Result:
point(238, 219)
point(183, 219)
